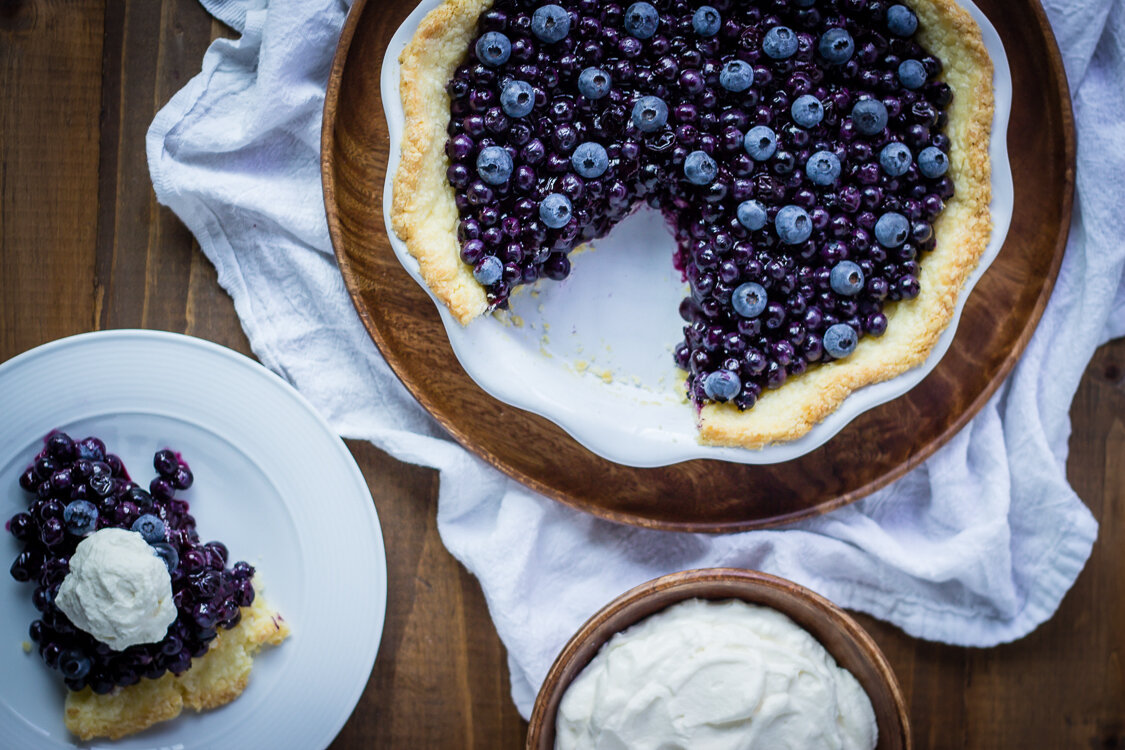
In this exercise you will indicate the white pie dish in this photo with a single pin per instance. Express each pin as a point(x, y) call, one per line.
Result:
point(598, 362)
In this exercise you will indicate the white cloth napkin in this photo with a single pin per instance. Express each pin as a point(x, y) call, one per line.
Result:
point(976, 547)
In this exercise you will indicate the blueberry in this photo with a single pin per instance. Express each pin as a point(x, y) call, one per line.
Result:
point(892, 229)
point(556, 210)
point(168, 554)
point(92, 449)
point(780, 43)
point(749, 299)
point(912, 74)
point(517, 99)
point(823, 168)
point(150, 527)
point(550, 23)
point(494, 165)
point(183, 478)
point(722, 385)
point(74, 664)
point(895, 159)
point(164, 461)
point(494, 48)
point(700, 169)
point(846, 278)
point(650, 113)
point(901, 21)
point(793, 225)
point(80, 517)
point(869, 116)
point(61, 447)
point(488, 270)
point(140, 498)
point(840, 340)
point(807, 111)
point(736, 76)
point(760, 142)
point(752, 215)
point(594, 83)
point(641, 20)
point(590, 160)
point(836, 46)
point(933, 162)
point(706, 21)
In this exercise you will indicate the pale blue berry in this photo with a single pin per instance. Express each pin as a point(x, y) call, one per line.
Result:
point(517, 99)
point(556, 210)
point(807, 111)
point(869, 116)
point(892, 229)
point(590, 160)
point(749, 300)
point(840, 340)
point(706, 21)
point(722, 385)
point(793, 225)
point(901, 21)
point(752, 215)
point(846, 278)
point(933, 162)
point(488, 270)
point(736, 76)
point(641, 20)
point(700, 169)
point(551, 23)
point(494, 165)
point(150, 527)
point(836, 46)
point(895, 158)
point(760, 142)
point(650, 113)
point(494, 48)
point(594, 83)
point(823, 168)
point(912, 74)
point(80, 517)
point(780, 42)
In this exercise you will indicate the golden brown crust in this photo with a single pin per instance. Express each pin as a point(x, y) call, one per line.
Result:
point(962, 231)
point(422, 212)
point(425, 217)
point(216, 678)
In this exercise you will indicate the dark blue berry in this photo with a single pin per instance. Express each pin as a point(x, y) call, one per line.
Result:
point(164, 461)
point(168, 554)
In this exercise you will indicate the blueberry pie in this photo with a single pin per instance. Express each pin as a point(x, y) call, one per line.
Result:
point(136, 614)
point(823, 166)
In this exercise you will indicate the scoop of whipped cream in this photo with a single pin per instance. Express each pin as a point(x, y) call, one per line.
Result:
point(118, 590)
point(714, 675)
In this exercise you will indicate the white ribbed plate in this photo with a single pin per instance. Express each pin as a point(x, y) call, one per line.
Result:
point(599, 363)
point(272, 481)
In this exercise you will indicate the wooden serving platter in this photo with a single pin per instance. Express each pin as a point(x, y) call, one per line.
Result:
point(705, 496)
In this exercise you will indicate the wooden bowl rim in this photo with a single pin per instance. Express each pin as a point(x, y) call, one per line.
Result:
point(328, 179)
point(744, 585)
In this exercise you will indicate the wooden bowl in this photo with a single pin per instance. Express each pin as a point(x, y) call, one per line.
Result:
point(851, 646)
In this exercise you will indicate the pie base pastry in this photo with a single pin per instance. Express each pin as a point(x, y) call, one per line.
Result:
point(215, 679)
point(425, 217)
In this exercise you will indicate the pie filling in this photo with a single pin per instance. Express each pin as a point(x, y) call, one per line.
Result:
point(78, 488)
point(795, 148)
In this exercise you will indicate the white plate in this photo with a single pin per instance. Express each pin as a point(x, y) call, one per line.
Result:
point(599, 364)
point(272, 481)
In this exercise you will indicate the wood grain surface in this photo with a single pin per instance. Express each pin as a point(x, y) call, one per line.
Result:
point(84, 246)
point(877, 447)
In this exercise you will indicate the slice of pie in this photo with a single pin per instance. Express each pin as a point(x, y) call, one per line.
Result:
point(822, 164)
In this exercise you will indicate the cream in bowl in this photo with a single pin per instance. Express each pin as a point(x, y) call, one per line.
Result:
point(720, 658)
point(715, 675)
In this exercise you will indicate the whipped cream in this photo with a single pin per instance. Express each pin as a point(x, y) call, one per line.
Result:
point(715, 675)
point(118, 590)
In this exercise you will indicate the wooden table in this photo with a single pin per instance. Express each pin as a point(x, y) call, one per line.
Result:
point(84, 246)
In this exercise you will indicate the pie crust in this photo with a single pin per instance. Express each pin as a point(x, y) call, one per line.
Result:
point(425, 217)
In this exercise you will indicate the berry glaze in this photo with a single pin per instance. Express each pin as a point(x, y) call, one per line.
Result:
point(672, 112)
point(206, 591)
